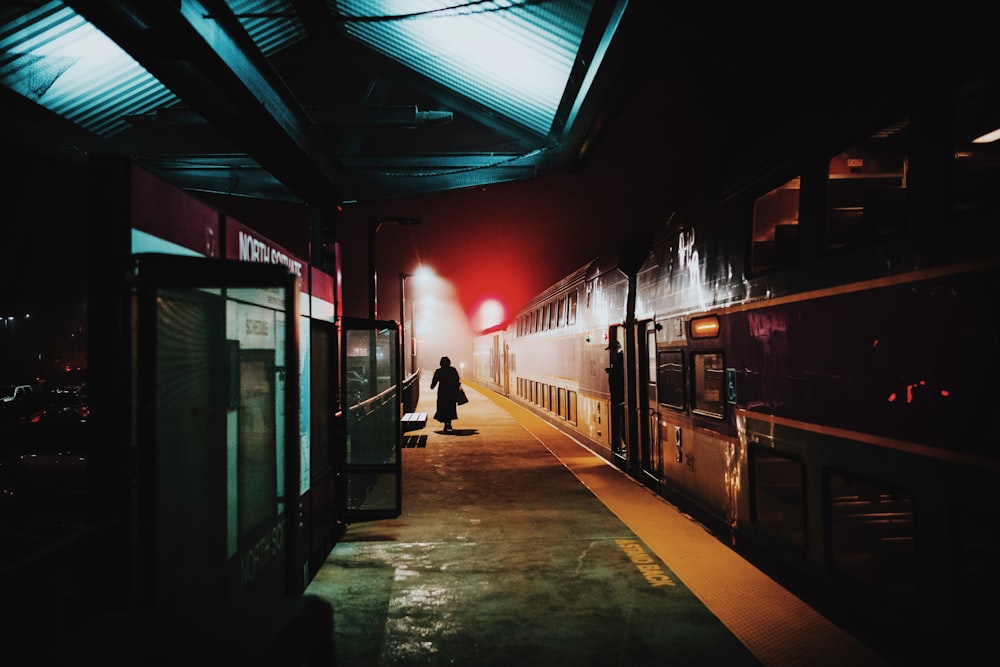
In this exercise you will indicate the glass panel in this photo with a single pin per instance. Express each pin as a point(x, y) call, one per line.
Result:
point(977, 551)
point(867, 190)
point(257, 465)
point(218, 448)
point(778, 496)
point(670, 378)
point(322, 403)
point(189, 418)
point(651, 361)
point(871, 536)
point(571, 307)
point(372, 418)
point(775, 228)
point(372, 491)
point(974, 199)
point(257, 336)
point(709, 396)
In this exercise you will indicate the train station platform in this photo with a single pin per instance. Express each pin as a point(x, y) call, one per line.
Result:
point(518, 546)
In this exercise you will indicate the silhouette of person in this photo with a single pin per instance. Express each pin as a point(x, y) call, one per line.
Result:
point(448, 383)
point(616, 386)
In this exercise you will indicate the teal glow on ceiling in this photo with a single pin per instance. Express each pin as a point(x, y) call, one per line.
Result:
point(237, 86)
point(55, 58)
point(512, 56)
point(272, 24)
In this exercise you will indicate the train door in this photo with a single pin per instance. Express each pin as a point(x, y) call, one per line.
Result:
point(616, 386)
point(649, 416)
point(505, 368)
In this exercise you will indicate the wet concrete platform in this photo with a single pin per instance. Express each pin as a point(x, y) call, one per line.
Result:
point(518, 546)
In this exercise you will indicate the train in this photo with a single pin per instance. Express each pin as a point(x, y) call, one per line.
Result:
point(801, 359)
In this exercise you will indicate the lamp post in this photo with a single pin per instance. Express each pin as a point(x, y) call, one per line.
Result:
point(402, 324)
point(409, 393)
point(375, 224)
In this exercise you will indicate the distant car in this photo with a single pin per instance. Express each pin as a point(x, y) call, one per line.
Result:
point(17, 402)
point(9, 393)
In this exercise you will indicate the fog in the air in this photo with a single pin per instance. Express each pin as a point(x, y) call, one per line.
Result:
point(440, 324)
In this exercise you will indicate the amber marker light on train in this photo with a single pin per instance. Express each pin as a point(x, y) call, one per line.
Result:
point(705, 327)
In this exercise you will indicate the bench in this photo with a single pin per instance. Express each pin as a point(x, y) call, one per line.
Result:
point(412, 421)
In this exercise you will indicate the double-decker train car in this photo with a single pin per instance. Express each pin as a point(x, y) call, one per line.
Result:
point(555, 372)
point(807, 359)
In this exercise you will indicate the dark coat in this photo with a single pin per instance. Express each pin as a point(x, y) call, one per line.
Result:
point(447, 396)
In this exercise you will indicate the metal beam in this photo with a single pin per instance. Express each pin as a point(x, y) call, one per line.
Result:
point(200, 51)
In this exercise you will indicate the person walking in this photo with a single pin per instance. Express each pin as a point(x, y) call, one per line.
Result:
point(448, 383)
point(616, 386)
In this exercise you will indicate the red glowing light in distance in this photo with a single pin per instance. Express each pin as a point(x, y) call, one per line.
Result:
point(489, 314)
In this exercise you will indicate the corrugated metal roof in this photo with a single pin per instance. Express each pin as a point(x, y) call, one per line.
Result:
point(308, 94)
point(54, 57)
point(272, 24)
point(512, 57)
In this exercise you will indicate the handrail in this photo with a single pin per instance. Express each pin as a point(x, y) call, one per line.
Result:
point(375, 403)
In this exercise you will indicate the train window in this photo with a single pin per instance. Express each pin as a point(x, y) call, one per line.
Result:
point(976, 163)
point(571, 406)
point(670, 378)
point(651, 361)
point(778, 496)
point(871, 536)
point(571, 299)
point(562, 402)
point(978, 550)
point(775, 228)
point(866, 194)
point(709, 397)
